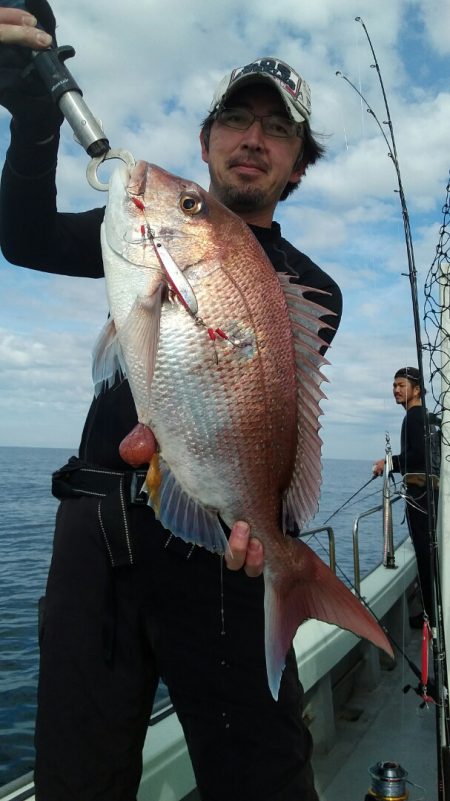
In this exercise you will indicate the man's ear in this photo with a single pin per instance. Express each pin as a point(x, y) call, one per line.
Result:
point(205, 155)
point(297, 175)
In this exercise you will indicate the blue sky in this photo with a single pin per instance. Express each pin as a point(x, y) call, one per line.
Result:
point(149, 76)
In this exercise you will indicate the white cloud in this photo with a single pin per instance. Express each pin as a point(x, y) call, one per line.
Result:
point(436, 18)
point(149, 76)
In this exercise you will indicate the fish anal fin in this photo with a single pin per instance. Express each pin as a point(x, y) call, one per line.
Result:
point(309, 590)
point(182, 515)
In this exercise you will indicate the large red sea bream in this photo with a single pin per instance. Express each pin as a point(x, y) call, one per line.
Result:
point(222, 357)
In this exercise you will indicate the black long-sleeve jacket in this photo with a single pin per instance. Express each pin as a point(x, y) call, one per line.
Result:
point(34, 234)
point(411, 458)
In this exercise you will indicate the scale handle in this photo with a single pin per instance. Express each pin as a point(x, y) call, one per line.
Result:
point(65, 92)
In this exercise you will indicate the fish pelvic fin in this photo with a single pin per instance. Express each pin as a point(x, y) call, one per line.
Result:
point(309, 589)
point(181, 514)
point(107, 358)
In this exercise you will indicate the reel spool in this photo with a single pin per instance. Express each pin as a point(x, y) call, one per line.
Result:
point(388, 782)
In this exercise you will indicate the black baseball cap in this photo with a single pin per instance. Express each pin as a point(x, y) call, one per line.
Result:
point(411, 373)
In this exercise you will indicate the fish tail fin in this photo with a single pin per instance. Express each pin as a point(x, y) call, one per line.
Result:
point(308, 589)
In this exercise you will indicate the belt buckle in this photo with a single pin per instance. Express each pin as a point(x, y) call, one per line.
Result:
point(138, 494)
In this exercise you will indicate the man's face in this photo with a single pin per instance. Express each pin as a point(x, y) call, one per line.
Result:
point(405, 391)
point(249, 169)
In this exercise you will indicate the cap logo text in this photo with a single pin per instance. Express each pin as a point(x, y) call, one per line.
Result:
point(277, 69)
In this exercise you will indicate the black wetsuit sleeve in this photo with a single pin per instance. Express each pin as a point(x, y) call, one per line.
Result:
point(332, 300)
point(309, 274)
point(411, 458)
point(32, 232)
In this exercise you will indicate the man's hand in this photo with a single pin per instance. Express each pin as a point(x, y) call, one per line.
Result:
point(17, 27)
point(36, 118)
point(246, 551)
point(378, 467)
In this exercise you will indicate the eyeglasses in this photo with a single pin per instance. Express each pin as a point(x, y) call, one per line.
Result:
point(241, 119)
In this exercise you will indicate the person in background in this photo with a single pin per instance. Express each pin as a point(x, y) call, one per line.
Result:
point(111, 628)
point(410, 462)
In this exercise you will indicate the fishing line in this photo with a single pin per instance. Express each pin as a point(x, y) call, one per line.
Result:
point(418, 787)
point(349, 499)
point(364, 498)
point(314, 536)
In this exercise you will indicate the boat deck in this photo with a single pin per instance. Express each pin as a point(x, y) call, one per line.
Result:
point(380, 725)
point(383, 724)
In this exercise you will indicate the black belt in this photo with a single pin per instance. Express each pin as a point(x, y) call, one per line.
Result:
point(115, 490)
point(420, 480)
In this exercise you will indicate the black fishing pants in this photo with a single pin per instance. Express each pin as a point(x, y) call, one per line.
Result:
point(417, 517)
point(108, 634)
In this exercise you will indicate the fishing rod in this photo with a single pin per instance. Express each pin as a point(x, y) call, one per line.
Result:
point(350, 499)
point(439, 654)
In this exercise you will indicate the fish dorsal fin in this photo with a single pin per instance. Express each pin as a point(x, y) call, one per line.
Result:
point(301, 497)
point(184, 516)
point(107, 358)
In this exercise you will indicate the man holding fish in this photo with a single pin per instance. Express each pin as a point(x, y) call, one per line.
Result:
point(212, 419)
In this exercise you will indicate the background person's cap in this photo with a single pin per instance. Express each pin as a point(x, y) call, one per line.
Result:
point(408, 372)
point(294, 91)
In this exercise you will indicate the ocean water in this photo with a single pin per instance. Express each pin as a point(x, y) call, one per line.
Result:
point(27, 512)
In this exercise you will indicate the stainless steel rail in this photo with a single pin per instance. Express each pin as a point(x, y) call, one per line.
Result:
point(331, 543)
point(356, 563)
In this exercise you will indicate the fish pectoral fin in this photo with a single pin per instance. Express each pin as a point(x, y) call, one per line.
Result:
point(107, 358)
point(309, 589)
point(184, 516)
point(139, 334)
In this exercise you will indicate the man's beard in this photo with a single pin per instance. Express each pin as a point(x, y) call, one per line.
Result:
point(240, 199)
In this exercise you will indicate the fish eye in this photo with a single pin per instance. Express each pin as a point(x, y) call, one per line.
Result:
point(190, 204)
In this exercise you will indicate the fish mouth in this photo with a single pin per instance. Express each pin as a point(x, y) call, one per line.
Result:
point(137, 178)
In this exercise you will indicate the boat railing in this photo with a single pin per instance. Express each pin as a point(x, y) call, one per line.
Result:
point(162, 709)
point(356, 561)
point(331, 543)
